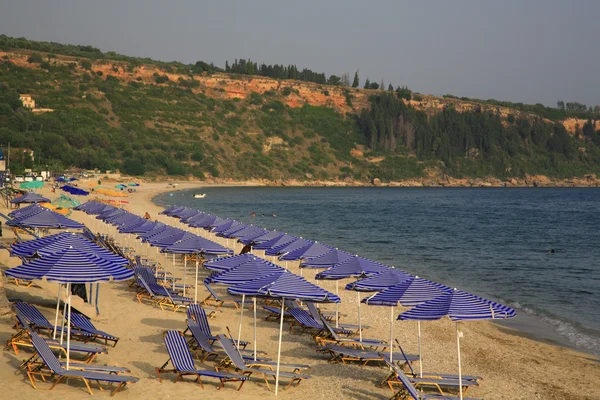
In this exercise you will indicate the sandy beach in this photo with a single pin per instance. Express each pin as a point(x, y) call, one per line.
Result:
point(513, 366)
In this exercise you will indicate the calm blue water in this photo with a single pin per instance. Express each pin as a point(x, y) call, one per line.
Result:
point(492, 242)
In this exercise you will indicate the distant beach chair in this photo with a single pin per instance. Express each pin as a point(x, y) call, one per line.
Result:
point(82, 323)
point(435, 382)
point(218, 300)
point(56, 369)
point(202, 344)
point(183, 363)
point(234, 359)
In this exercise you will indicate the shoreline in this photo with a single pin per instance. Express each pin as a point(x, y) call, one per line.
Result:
point(513, 366)
point(531, 326)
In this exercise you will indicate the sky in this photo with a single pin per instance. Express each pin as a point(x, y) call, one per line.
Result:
point(533, 51)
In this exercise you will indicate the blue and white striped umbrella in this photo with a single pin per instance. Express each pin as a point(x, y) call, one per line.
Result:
point(226, 225)
point(246, 230)
point(327, 260)
point(381, 281)
point(23, 249)
point(186, 214)
point(350, 267)
point(194, 217)
point(25, 211)
point(284, 286)
point(298, 243)
point(144, 227)
point(203, 221)
point(234, 228)
point(40, 248)
point(164, 241)
point(197, 244)
point(170, 210)
point(46, 219)
point(268, 235)
point(275, 242)
point(245, 272)
point(458, 306)
point(71, 266)
point(226, 263)
point(248, 235)
point(411, 292)
point(312, 250)
point(30, 197)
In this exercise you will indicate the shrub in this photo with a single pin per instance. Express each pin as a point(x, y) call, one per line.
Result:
point(35, 58)
point(133, 167)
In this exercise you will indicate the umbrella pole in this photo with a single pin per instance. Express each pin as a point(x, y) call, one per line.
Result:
point(173, 285)
point(420, 358)
point(254, 301)
point(458, 334)
point(241, 316)
point(164, 267)
point(57, 309)
point(359, 320)
point(337, 305)
point(184, 272)
point(279, 346)
point(69, 328)
point(62, 325)
point(391, 333)
point(96, 301)
point(196, 285)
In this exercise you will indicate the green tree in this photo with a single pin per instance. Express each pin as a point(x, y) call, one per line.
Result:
point(133, 166)
point(367, 84)
point(355, 82)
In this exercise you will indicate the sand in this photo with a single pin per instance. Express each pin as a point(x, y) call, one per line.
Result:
point(513, 366)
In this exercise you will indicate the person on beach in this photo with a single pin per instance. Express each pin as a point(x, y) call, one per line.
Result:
point(147, 215)
point(246, 249)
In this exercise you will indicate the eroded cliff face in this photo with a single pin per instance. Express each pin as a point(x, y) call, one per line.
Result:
point(230, 86)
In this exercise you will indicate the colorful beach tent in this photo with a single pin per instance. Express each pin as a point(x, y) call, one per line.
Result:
point(32, 185)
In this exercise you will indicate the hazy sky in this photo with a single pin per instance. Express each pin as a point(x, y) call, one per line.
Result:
point(518, 50)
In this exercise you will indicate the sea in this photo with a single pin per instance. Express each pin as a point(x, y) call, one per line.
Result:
point(535, 249)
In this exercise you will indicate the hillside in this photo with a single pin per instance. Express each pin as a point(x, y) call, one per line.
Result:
point(150, 118)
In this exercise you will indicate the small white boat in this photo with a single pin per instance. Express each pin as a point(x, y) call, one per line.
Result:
point(200, 195)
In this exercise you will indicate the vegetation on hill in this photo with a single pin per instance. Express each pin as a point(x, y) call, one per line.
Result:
point(161, 124)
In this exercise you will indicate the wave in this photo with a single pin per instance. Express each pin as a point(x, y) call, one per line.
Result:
point(576, 336)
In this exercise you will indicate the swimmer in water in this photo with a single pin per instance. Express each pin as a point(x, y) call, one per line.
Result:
point(274, 215)
point(552, 251)
point(253, 214)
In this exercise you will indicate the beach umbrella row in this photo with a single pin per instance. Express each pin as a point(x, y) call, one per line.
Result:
point(36, 216)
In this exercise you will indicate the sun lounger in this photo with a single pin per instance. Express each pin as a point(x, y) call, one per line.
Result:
point(80, 322)
point(38, 321)
point(219, 300)
point(197, 314)
point(200, 343)
point(23, 339)
point(163, 298)
point(183, 363)
point(332, 337)
point(56, 370)
point(303, 320)
point(347, 354)
point(432, 382)
point(330, 317)
point(235, 360)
